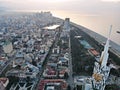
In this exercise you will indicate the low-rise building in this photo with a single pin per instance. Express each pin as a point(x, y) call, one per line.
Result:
point(53, 84)
point(7, 47)
point(3, 83)
point(93, 52)
point(2, 61)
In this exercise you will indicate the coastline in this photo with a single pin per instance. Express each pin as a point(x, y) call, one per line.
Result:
point(115, 48)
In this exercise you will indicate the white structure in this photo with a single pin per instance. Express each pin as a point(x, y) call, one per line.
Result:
point(56, 50)
point(101, 69)
point(13, 65)
point(51, 88)
point(3, 83)
point(88, 86)
point(8, 47)
point(34, 68)
point(22, 87)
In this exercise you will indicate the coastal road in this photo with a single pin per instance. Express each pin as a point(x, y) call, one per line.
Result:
point(115, 48)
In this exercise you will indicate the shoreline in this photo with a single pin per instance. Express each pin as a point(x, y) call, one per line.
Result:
point(115, 48)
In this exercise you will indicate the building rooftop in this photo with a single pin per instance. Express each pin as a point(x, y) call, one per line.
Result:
point(53, 81)
point(2, 58)
point(93, 52)
point(4, 81)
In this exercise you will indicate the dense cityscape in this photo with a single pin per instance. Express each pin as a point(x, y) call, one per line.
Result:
point(41, 52)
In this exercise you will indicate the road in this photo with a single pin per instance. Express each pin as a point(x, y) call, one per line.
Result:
point(70, 79)
point(115, 48)
point(40, 75)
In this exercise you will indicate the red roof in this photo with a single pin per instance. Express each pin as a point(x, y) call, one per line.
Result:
point(3, 80)
point(44, 82)
point(94, 52)
point(2, 58)
point(51, 72)
point(62, 71)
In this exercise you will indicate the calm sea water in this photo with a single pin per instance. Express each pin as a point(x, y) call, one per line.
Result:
point(98, 23)
point(95, 22)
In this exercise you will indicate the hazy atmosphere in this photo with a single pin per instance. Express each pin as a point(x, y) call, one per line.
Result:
point(59, 44)
point(84, 6)
point(96, 15)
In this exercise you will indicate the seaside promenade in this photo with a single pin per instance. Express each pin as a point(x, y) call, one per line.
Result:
point(114, 48)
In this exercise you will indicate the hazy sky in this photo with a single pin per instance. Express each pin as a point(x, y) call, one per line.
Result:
point(79, 11)
point(83, 6)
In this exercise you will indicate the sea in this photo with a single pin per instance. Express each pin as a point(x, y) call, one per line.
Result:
point(99, 23)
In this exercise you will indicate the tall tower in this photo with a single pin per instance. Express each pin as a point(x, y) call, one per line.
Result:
point(101, 68)
point(66, 27)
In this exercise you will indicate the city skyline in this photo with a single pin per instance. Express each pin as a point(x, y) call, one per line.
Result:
point(39, 50)
point(82, 6)
point(96, 15)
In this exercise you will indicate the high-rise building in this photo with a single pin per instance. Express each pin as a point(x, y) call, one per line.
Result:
point(66, 28)
point(101, 68)
point(66, 24)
